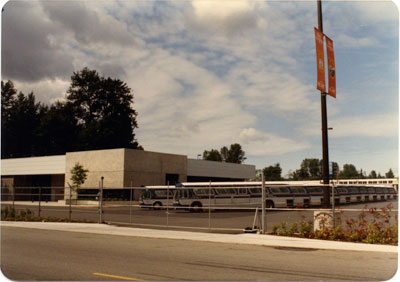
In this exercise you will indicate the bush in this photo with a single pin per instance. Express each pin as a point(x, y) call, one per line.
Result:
point(9, 214)
point(377, 231)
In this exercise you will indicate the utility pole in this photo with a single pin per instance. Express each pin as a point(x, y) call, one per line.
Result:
point(324, 119)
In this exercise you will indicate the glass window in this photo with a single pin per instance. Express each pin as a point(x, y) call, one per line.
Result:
point(162, 194)
point(242, 191)
point(284, 189)
point(255, 190)
point(202, 191)
point(222, 191)
point(274, 190)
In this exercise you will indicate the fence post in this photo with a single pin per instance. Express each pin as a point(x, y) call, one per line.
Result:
point(40, 198)
point(101, 200)
point(209, 205)
point(333, 205)
point(70, 204)
point(167, 203)
point(13, 197)
point(130, 205)
point(263, 203)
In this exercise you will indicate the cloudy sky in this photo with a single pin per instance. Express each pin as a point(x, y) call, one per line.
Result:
point(206, 74)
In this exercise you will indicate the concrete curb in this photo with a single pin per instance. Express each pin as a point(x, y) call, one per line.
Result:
point(250, 239)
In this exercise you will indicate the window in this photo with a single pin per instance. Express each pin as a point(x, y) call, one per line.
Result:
point(242, 191)
point(202, 191)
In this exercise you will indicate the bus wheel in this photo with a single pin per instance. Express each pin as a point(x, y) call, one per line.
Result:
point(157, 206)
point(269, 204)
point(196, 207)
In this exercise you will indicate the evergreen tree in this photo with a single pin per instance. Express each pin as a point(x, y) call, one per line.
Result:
point(273, 172)
point(102, 108)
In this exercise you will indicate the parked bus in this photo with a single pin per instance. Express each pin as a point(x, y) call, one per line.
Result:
point(156, 197)
point(196, 196)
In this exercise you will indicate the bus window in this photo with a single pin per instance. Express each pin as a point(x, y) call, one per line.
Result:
point(275, 190)
point(255, 190)
point(298, 190)
point(242, 191)
point(223, 191)
point(284, 190)
point(363, 190)
point(202, 191)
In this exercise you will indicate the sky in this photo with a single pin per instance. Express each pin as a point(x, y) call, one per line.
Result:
point(207, 74)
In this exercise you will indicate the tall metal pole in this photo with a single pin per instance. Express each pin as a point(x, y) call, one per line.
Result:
point(167, 203)
point(263, 203)
point(209, 205)
point(130, 204)
point(101, 200)
point(324, 120)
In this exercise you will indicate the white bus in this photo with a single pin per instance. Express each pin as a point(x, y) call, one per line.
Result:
point(196, 196)
point(155, 197)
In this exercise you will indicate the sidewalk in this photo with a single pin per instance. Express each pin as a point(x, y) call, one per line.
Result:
point(250, 239)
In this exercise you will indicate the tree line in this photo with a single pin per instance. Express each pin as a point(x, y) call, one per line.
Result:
point(311, 169)
point(234, 154)
point(96, 114)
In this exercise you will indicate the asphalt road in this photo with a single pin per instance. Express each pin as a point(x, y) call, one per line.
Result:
point(216, 221)
point(30, 254)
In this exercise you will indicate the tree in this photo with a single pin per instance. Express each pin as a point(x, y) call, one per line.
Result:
point(372, 174)
point(59, 130)
point(362, 174)
point(20, 122)
point(212, 155)
point(78, 176)
point(234, 154)
point(224, 153)
point(349, 171)
point(311, 168)
point(273, 173)
point(102, 108)
point(8, 93)
point(389, 174)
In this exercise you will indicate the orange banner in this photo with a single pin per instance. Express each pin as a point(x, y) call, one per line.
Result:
point(331, 67)
point(319, 46)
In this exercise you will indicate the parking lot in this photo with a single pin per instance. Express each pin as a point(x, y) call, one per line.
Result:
point(226, 220)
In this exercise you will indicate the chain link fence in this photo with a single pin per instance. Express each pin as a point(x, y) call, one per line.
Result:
point(220, 212)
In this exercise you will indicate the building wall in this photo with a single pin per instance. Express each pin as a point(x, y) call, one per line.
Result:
point(106, 163)
point(151, 168)
point(33, 166)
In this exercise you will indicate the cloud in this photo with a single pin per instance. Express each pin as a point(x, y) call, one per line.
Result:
point(371, 125)
point(48, 90)
point(89, 24)
point(29, 51)
point(224, 17)
point(260, 143)
point(347, 41)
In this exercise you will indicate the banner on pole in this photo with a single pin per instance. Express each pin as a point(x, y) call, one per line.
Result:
point(319, 46)
point(331, 67)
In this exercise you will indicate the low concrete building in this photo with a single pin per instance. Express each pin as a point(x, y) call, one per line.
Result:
point(120, 168)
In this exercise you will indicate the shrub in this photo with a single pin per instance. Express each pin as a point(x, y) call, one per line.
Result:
point(382, 229)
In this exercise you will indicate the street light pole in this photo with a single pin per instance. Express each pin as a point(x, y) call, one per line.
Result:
point(324, 120)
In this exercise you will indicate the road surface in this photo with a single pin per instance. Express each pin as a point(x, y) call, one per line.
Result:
point(30, 254)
